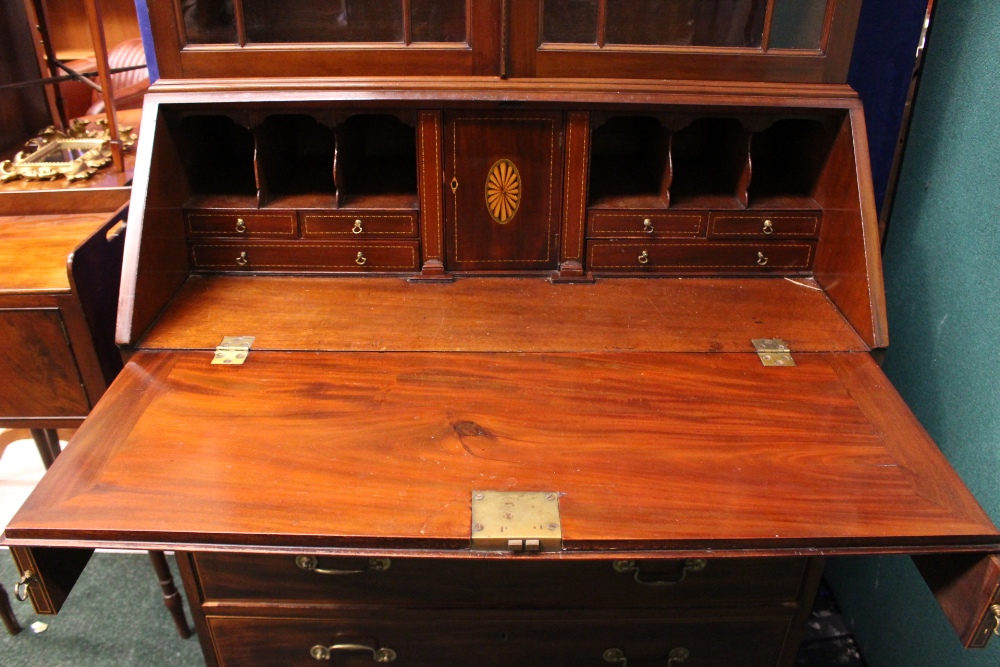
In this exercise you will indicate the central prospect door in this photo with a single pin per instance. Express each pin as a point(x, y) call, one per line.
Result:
point(503, 183)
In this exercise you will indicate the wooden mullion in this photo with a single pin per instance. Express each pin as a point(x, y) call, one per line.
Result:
point(241, 26)
point(831, 10)
point(407, 27)
point(602, 22)
point(765, 39)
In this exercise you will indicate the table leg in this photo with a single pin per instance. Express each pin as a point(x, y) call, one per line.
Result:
point(171, 598)
point(7, 613)
point(47, 441)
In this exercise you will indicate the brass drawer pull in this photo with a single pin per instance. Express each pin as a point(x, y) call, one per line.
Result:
point(21, 587)
point(311, 564)
point(768, 227)
point(690, 565)
point(241, 226)
point(676, 655)
point(644, 257)
point(647, 226)
point(360, 260)
point(995, 610)
point(357, 229)
point(383, 655)
point(761, 259)
point(242, 260)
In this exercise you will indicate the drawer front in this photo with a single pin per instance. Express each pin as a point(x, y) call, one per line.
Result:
point(543, 584)
point(354, 257)
point(502, 640)
point(373, 224)
point(764, 225)
point(242, 224)
point(630, 256)
point(652, 224)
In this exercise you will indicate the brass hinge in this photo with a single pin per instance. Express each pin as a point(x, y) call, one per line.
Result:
point(773, 352)
point(233, 350)
point(516, 521)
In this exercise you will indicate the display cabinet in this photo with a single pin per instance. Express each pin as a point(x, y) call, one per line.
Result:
point(521, 363)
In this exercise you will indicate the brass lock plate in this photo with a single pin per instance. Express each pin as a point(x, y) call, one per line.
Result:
point(518, 521)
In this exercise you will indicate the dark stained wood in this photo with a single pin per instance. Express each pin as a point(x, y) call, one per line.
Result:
point(640, 255)
point(361, 256)
point(156, 232)
point(372, 314)
point(40, 375)
point(764, 226)
point(360, 225)
point(55, 572)
point(424, 582)
point(575, 197)
point(214, 223)
point(24, 111)
point(743, 456)
point(961, 583)
point(47, 442)
point(474, 144)
point(95, 278)
point(430, 134)
point(632, 224)
point(848, 264)
point(7, 614)
point(499, 640)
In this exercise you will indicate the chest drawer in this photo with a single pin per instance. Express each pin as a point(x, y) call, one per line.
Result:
point(333, 256)
point(363, 224)
point(497, 640)
point(632, 256)
point(764, 225)
point(242, 224)
point(402, 582)
point(652, 224)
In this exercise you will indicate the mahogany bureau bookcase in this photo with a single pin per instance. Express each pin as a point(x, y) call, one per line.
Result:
point(507, 332)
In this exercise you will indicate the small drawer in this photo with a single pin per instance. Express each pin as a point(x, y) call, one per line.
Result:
point(242, 224)
point(307, 256)
point(652, 224)
point(764, 225)
point(423, 582)
point(497, 640)
point(631, 256)
point(360, 224)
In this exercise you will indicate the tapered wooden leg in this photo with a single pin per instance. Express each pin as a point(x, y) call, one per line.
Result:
point(47, 441)
point(171, 598)
point(7, 614)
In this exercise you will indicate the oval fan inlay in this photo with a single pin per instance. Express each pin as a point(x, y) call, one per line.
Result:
point(503, 191)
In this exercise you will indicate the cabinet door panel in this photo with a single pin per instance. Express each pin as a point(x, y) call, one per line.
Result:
point(504, 174)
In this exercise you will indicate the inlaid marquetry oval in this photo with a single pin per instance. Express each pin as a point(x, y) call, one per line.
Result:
point(503, 191)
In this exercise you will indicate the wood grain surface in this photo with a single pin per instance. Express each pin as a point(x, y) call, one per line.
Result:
point(648, 451)
point(34, 249)
point(501, 314)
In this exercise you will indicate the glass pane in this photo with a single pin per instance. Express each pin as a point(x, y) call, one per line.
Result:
point(686, 22)
point(437, 20)
point(323, 20)
point(797, 24)
point(570, 21)
point(209, 21)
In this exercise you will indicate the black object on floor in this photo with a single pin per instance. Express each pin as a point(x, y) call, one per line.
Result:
point(826, 641)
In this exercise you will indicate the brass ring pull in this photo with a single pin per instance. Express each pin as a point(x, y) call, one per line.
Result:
point(21, 587)
point(360, 260)
point(768, 227)
point(690, 565)
point(995, 610)
point(644, 257)
point(241, 225)
point(617, 656)
point(761, 259)
point(647, 226)
point(381, 655)
point(357, 227)
point(242, 260)
point(311, 564)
